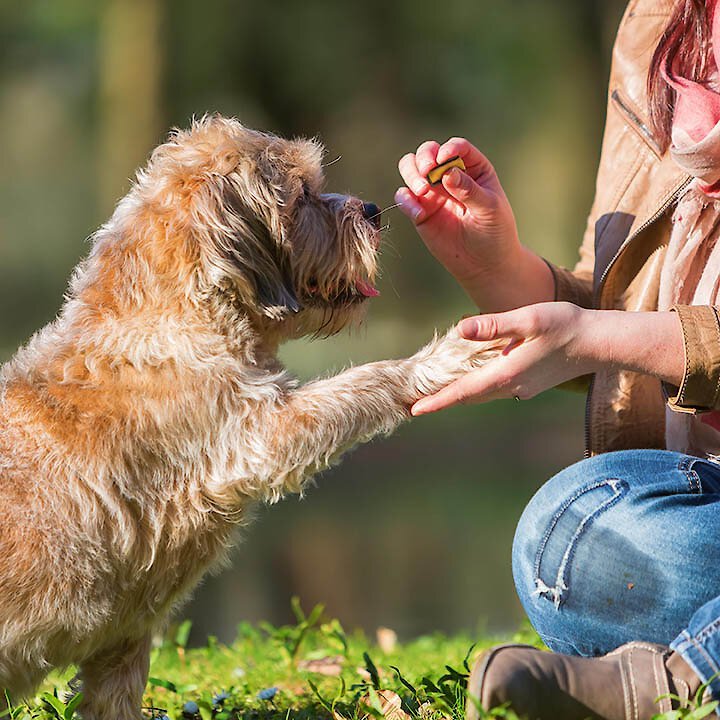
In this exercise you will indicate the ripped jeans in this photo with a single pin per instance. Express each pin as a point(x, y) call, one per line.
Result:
point(625, 546)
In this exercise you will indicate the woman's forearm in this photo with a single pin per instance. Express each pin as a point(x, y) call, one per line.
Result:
point(646, 342)
point(553, 342)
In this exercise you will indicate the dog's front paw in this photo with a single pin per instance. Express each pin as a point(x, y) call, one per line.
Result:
point(447, 358)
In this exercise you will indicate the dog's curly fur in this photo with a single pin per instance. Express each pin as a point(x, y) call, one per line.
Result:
point(141, 426)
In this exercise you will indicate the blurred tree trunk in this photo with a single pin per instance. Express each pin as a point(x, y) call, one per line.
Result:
point(130, 96)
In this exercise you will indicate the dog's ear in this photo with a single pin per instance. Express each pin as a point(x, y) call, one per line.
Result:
point(265, 262)
point(247, 237)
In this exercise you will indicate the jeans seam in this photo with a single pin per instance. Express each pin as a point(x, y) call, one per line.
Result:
point(556, 592)
point(708, 630)
point(697, 658)
point(691, 642)
point(686, 641)
point(686, 466)
point(704, 653)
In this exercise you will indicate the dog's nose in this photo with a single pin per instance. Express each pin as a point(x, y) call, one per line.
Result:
point(371, 212)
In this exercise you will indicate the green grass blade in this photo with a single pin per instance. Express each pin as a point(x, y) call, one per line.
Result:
point(183, 633)
point(372, 670)
point(72, 706)
point(158, 682)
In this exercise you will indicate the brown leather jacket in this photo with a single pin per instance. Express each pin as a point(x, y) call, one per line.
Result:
point(623, 249)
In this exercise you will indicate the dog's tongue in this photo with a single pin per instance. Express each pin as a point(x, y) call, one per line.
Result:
point(366, 289)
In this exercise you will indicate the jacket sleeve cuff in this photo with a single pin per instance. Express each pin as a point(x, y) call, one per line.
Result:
point(700, 385)
point(569, 287)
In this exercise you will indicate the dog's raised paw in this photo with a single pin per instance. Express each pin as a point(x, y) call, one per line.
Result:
point(448, 358)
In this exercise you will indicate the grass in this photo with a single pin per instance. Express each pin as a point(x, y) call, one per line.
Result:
point(312, 669)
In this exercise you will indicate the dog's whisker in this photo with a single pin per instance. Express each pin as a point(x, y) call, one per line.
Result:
point(392, 285)
point(328, 315)
point(389, 248)
point(332, 162)
point(389, 207)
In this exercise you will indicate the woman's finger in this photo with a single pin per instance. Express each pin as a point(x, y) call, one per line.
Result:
point(426, 156)
point(478, 386)
point(409, 205)
point(419, 208)
point(477, 164)
point(410, 174)
point(461, 187)
point(466, 150)
point(516, 324)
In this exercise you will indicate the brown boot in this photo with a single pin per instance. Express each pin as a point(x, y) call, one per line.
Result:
point(539, 685)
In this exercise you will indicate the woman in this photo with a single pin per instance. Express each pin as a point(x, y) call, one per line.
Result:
point(621, 549)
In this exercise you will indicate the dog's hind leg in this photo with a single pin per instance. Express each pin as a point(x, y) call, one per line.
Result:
point(113, 681)
point(18, 680)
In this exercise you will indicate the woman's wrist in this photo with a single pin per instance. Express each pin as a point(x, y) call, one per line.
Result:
point(518, 278)
point(645, 342)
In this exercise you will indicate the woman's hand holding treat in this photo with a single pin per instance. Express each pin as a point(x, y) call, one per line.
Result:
point(468, 225)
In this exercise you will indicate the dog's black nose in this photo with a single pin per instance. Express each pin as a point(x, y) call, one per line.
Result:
point(371, 212)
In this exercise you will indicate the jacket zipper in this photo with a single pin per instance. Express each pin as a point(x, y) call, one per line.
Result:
point(635, 120)
point(598, 293)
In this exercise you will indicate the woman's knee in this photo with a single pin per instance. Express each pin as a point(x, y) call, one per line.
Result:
point(573, 548)
point(558, 510)
point(563, 509)
point(549, 530)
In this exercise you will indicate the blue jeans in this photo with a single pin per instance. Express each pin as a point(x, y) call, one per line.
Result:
point(625, 546)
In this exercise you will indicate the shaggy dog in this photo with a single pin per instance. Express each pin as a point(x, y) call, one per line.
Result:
point(141, 426)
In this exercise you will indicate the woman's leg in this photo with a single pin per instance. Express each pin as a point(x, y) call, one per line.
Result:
point(623, 547)
point(619, 550)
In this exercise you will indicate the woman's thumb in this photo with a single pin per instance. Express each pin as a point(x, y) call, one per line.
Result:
point(491, 327)
point(464, 189)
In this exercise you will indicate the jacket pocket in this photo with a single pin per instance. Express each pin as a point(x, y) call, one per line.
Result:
point(634, 119)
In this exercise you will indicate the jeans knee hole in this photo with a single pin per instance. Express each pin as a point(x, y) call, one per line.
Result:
point(564, 532)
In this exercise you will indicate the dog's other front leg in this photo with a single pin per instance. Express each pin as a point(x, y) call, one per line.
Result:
point(320, 420)
point(113, 681)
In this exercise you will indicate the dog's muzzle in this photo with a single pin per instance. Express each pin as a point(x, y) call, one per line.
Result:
point(371, 212)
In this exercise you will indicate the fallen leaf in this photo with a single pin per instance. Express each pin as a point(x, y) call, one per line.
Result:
point(323, 666)
point(386, 639)
point(427, 712)
point(390, 705)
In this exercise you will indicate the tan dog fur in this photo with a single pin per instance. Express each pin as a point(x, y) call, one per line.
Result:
point(142, 425)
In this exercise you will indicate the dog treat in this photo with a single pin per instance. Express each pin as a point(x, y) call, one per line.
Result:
point(435, 175)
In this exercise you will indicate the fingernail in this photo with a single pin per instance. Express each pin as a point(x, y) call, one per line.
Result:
point(405, 203)
point(418, 408)
point(408, 206)
point(454, 177)
point(468, 328)
point(419, 187)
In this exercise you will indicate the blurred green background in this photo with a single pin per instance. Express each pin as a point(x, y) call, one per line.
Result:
point(414, 531)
